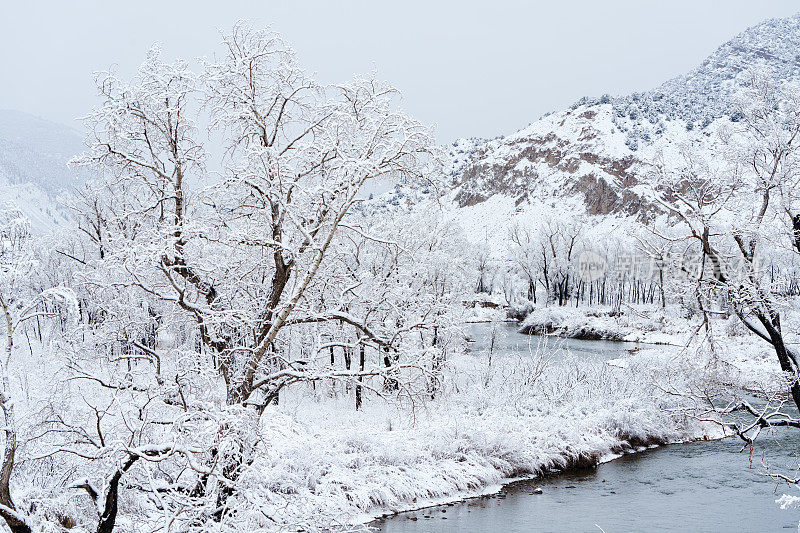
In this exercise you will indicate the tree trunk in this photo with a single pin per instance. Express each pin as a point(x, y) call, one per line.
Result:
point(14, 521)
point(785, 357)
point(361, 361)
point(390, 384)
point(108, 518)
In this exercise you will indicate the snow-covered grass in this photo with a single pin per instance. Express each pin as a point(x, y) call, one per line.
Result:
point(322, 464)
point(744, 363)
point(730, 355)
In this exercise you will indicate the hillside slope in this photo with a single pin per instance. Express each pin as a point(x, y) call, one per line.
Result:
point(33, 167)
point(601, 151)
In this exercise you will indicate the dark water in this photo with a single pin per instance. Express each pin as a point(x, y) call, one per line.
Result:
point(699, 487)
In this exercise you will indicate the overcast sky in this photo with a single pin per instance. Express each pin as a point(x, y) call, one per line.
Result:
point(471, 68)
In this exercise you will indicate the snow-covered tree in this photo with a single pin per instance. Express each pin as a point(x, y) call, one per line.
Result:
point(233, 264)
point(739, 206)
point(21, 302)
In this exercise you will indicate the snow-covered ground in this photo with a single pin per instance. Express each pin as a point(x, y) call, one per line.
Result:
point(323, 464)
point(742, 362)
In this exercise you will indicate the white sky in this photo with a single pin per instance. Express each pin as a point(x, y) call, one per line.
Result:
point(473, 68)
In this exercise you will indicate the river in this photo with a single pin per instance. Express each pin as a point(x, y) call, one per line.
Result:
point(698, 487)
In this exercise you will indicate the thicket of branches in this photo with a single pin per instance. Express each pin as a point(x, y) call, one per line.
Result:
point(204, 285)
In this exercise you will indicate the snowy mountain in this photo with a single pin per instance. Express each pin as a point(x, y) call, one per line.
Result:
point(600, 150)
point(33, 167)
point(704, 93)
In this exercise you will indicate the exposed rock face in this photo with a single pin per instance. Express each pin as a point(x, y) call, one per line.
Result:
point(560, 155)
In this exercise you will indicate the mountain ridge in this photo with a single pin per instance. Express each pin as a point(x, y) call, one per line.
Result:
point(601, 149)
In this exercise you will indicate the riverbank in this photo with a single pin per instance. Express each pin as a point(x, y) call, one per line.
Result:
point(523, 415)
point(741, 363)
point(645, 324)
point(711, 483)
point(531, 482)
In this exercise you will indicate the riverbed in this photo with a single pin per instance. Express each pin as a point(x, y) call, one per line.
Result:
point(699, 487)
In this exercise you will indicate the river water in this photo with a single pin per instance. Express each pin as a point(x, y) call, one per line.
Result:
point(698, 487)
